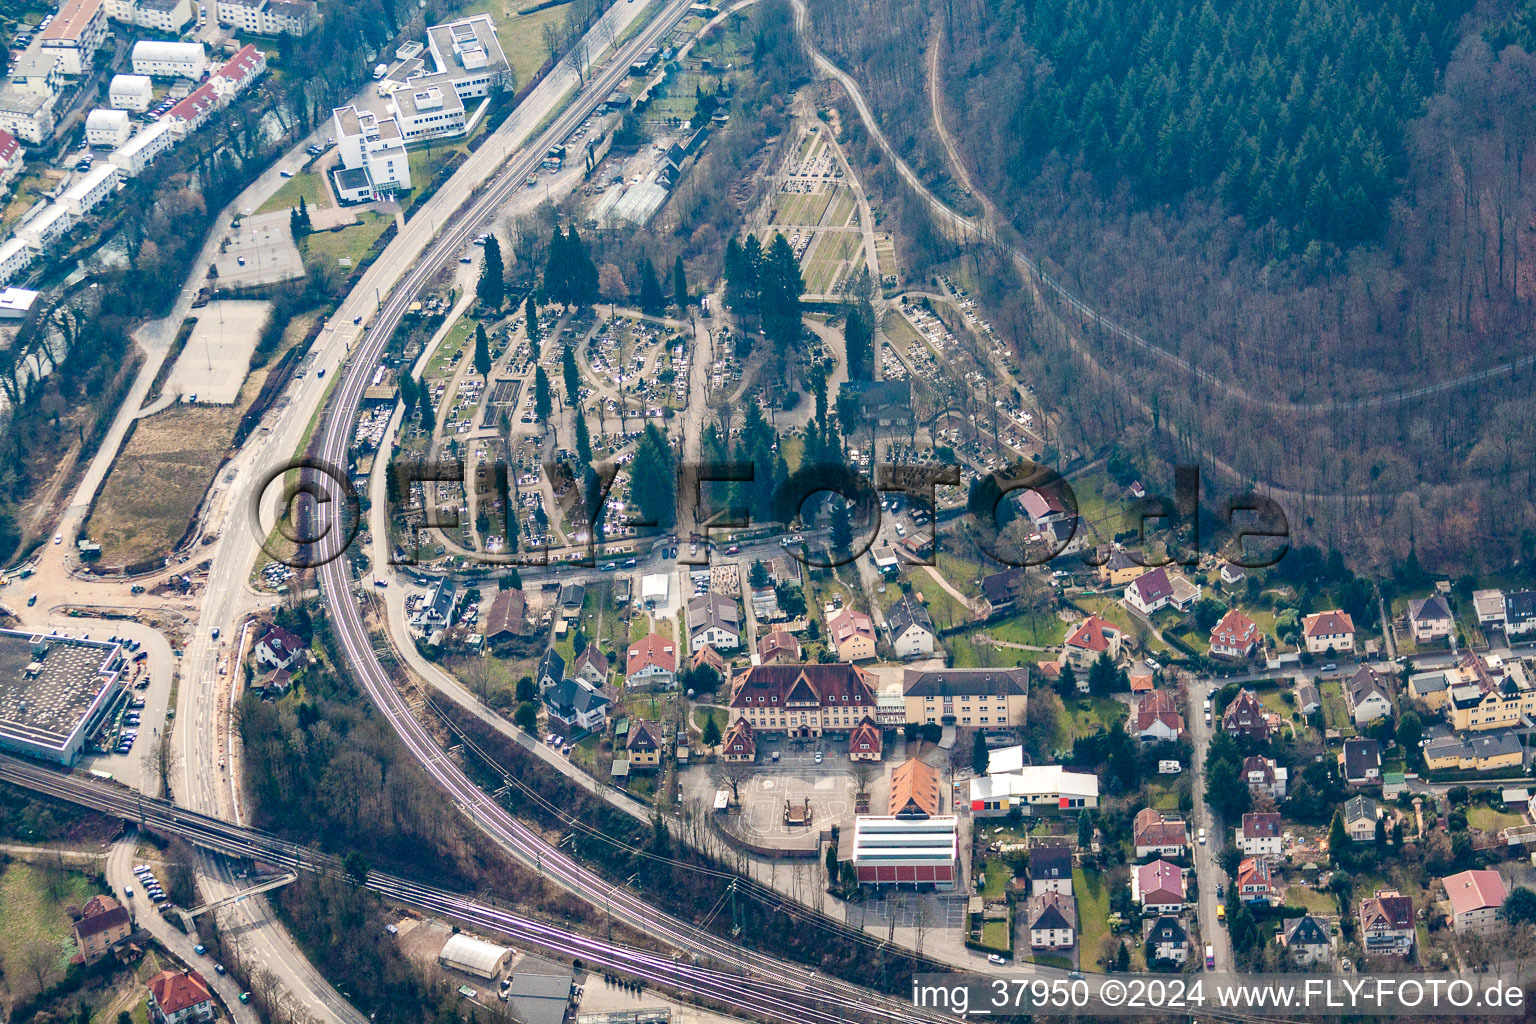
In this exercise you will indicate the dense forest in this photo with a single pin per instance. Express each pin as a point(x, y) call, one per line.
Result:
point(1303, 216)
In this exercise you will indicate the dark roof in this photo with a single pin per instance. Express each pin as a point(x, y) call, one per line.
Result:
point(1360, 756)
point(1051, 910)
point(1365, 682)
point(966, 682)
point(1520, 606)
point(104, 920)
point(1358, 807)
point(1003, 587)
point(572, 595)
point(641, 737)
point(905, 614)
point(1432, 607)
point(506, 614)
point(552, 665)
point(1153, 586)
point(1304, 931)
point(569, 696)
point(1167, 928)
point(1050, 862)
point(778, 685)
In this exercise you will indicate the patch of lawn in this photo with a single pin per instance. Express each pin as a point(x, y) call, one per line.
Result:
point(521, 35)
point(994, 935)
point(1040, 630)
point(32, 914)
point(307, 185)
point(1483, 817)
point(1092, 913)
point(1088, 715)
point(351, 242)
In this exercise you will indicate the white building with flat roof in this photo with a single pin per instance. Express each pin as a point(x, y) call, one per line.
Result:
point(373, 146)
point(107, 127)
point(270, 17)
point(159, 59)
point(428, 108)
point(469, 54)
point(1041, 786)
point(17, 303)
point(131, 92)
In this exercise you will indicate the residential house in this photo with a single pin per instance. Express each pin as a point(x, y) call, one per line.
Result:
point(508, 618)
point(982, 698)
point(1308, 701)
point(853, 634)
point(240, 72)
point(1432, 688)
point(1045, 507)
point(778, 647)
point(1149, 592)
point(1429, 619)
point(551, 669)
point(1361, 814)
point(1119, 569)
point(1519, 613)
point(915, 790)
point(1254, 883)
point(911, 628)
point(572, 597)
point(1246, 716)
point(1050, 870)
point(574, 707)
point(643, 745)
point(1489, 606)
point(1360, 761)
point(102, 924)
point(1232, 576)
point(708, 657)
point(1476, 897)
point(739, 745)
point(176, 997)
point(1089, 639)
point(1264, 775)
point(1366, 696)
point(279, 648)
point(1052, 921)
point(1158, 887)
point(1165, 939)
point(803, 701)
point(1307, 939)
point(191, 114)
point(651, 661)
point(1155, 834)
point(1003, 589)
point(1386, 924)
point(864, 741)
point(591, 665)
point(1261, 834)
point(1235, 636)
point(714, 621)
point(435, 609)
point(1158, 719)
point(1331, 632)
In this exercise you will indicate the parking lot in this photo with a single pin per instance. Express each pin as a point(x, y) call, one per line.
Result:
point(933, 911)
point(260, 251)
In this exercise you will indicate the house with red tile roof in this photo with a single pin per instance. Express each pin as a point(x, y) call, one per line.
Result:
point(1158, 887)
point(1235, 636)
point(1158, 719)
point(1091, 638)
point(1476, 897)
point(778, 646)
point(1254, 884)
point(178, 996)
point(864, 741)
point(739, 744)
point(651, 661)
point(1155, 834)
point(1325, 632)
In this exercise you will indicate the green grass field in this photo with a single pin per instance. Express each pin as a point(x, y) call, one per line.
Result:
point(308, 185)
point(1483, 817)
point(521, 35)
point(32, 916)
point(1092, 914)
point(350, 243)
